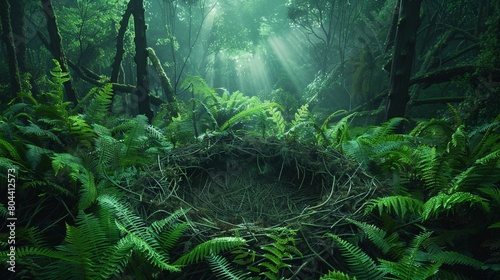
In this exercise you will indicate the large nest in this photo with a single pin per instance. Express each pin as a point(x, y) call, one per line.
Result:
point(229, 181)
point(252, 186)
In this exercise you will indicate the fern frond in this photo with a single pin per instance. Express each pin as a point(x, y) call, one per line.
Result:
point(433, 170)
point(444, 202)
point(88, 190)
point(336, 275)
point(386, 128)
point(379, 236)
point(245, 114)
point(452, 258)
point(211, 247)
point(11, 150)
point(278, 120)
point(81, 129)
point(411, 270)
point(223, 270)
point(337, 134)
point(34, 154)
point(360, 264)
point(302, 115)
point(169, 230)
point(114, 260)
point(136, 232)
point(414, 264)
point(148, 247)
point(458, 142)
point(33, 129)
point(97, 108)
point(398, 204)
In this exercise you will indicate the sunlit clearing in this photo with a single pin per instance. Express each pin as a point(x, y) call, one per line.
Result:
point(252, 73)
point(289, 51)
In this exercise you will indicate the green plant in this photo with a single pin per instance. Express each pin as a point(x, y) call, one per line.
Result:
point(420, 258)
point(102, 245)
point(281, 249)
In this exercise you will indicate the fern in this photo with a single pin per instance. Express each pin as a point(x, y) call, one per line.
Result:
point(433, 169)
point(302, 115)
point(453, 258)
point(387, 128)
point(245, 114)
point(88, 191)
point(379, 237)
point(337, 134)
point(11, 150)
point(360, 264)
point(223, 270)
point(446, 202)
point(279, 121)
point(275, 254)
point(413, 265)
point(336, 275)
point(98, 102)
point(34, 129)
point(211, 247)
point(398, 204)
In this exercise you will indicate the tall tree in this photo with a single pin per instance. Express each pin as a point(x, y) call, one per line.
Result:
point(10, 49)
point(142, 90)
point(19, 32)
point(403, 56)
point(56, 47)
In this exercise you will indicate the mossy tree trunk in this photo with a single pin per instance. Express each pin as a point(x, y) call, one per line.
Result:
point(10, 49)
point(19, 32)
point(140, 95)
point(403, 56)
point(141, 92)
point(168, 89)
point(56, 47)
point(120, 49)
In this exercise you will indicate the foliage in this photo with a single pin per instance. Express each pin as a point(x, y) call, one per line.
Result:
point(102, 246)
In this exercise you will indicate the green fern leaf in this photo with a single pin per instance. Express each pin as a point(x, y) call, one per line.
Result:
point(223, 270)
point(336, 275)
point(245, 114)
point(210, 247)
point(409, 270)
point(34, 154)
point(34, 129)
point(386, 129)
point(11, 150)
point(444, 202)
point(414, 264)
point(400, 205)
point(452, 258)
point(379, 236)
point(148, 248)
point(278, 120)
point(361, 265)
point(88, 190)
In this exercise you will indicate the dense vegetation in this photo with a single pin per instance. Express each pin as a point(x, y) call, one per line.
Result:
point(300, 139)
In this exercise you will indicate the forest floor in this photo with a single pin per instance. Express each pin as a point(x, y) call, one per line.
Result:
point(247, 186)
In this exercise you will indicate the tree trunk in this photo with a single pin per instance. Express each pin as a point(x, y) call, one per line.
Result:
point(19, 32)
point(10, 50)
point(56, 48)
point(168, 89)
point(141, 93)
point(402, 59)
point(120, 50)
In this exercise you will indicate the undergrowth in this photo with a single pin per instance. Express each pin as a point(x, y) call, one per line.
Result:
point(80, 217)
